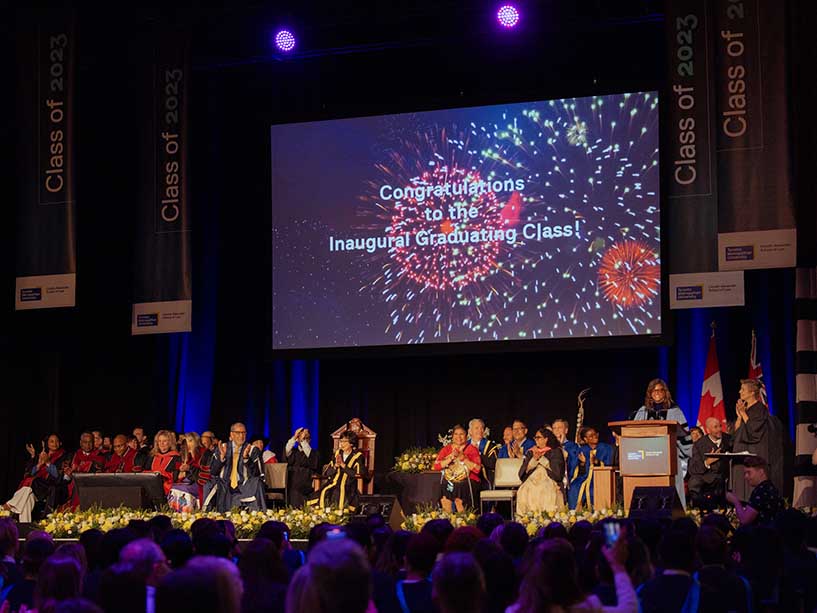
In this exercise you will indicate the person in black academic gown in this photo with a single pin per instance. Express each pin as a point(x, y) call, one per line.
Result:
point(302, 462)
point(340, 490)
point(759, 433)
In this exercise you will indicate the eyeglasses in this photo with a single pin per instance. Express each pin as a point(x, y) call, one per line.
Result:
point(244, 432)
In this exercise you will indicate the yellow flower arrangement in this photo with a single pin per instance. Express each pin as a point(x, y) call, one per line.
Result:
point(416, 521)
point(415, 460)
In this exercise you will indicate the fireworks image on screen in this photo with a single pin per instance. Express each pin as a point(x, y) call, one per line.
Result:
point(446, 268)
point(629, 274)
point(585, 160)
point(435, 289)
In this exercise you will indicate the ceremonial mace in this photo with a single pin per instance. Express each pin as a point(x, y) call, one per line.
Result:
point(580, 417)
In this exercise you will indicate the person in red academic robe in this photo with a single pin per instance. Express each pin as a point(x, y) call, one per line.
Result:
point(178, 475)
point(202, 457)
point(461, 467)
point(85, 460)
point(164, 459)
point(41, 479)
point(124, 459)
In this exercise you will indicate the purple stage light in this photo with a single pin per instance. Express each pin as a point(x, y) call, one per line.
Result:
point(507, 16)
point(285, 40)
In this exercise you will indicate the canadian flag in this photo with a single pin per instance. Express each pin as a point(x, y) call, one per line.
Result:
point(756, 370)
point(712, 390)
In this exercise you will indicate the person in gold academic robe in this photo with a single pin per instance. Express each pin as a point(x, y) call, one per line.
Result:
point(340, 490)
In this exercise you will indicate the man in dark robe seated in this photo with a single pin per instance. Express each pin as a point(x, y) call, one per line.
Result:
point(302, 463)
point(124, 459)
point(707, 476)
point(236, 475)
point(340, 490)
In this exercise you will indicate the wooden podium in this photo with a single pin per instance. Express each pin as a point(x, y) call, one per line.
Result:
point(648, 454)
point(604, 487)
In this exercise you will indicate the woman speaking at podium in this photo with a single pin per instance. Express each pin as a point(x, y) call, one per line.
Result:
point(659, 405)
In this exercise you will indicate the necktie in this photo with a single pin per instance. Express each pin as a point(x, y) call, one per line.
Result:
point(234, 471)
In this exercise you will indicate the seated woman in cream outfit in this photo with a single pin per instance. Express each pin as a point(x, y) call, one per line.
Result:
point(541, 475)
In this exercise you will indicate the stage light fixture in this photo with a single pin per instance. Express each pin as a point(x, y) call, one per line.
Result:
point(284, 40)
point(508, 16)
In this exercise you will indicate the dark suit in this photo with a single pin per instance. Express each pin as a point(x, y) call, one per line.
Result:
point(706, 484)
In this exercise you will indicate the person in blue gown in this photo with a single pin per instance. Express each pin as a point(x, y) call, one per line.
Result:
point(581, 460)
point(659, 405)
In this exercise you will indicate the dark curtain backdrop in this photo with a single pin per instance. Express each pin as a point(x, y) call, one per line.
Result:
point(75, 369)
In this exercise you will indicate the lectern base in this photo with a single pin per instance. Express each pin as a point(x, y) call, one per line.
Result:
point(630, 483)
point(656, 503)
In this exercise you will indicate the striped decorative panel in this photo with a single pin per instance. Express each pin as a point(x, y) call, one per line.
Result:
point(805, 475)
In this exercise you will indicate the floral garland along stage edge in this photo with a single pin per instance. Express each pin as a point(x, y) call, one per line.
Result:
point(302, 520)
point(533, 522)
point(247, 523)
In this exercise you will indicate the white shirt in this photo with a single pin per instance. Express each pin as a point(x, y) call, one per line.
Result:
point(305, 447)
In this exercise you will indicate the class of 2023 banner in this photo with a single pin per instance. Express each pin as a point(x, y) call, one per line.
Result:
point(46, 219)
point(162, 283)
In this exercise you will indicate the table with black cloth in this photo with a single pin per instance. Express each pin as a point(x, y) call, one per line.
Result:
point(415, 489)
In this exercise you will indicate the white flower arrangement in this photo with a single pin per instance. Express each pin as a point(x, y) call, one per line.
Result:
point(445, 439)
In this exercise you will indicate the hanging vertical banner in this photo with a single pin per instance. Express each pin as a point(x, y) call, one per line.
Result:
point(691, 184)
point(163, 288)
point(46, 240)
point(754, 171)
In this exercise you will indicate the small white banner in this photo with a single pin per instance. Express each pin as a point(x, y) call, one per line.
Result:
point(761, 249)
point(706, 289)
point(45, 292)
point(161, 317)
